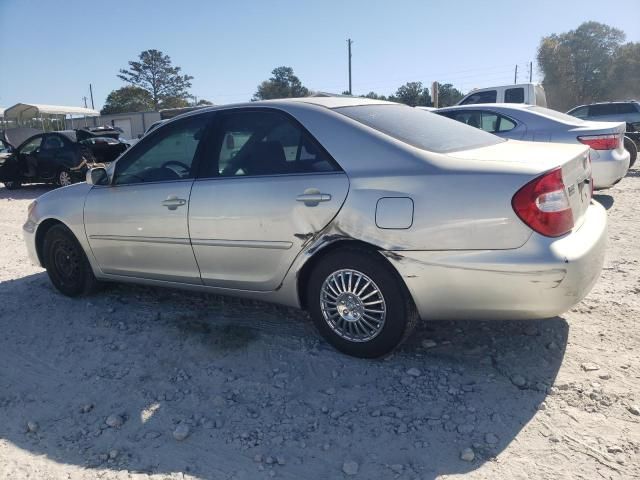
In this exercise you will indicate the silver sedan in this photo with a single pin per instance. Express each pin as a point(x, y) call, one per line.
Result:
point(367, 214)
point(528, 122)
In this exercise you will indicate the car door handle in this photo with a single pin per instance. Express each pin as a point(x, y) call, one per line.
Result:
point(312, 199)
point(172, 202)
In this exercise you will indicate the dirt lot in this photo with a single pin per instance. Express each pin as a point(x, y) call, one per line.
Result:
point(144, 383)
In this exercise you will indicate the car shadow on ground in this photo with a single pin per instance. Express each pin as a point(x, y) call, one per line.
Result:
point(25, 191)
point(254, 384)
point(605, 200)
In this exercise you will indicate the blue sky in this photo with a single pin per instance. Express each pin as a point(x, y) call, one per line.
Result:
point(52, 50)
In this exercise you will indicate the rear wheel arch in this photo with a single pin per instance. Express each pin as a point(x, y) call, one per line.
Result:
point(346, 244)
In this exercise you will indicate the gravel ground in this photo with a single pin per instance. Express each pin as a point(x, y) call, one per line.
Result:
point(137, 382)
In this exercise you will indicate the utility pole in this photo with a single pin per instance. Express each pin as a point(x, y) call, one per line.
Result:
point(349, 42)
point(435, 97)
point(85, 101)
point(91, 93)
point(530, 72)
point(515, 75)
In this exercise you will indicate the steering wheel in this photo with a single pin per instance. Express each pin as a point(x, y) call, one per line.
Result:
point(181, 165)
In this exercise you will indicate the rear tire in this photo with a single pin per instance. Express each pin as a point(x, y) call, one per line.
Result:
point(67, 264)
point(631, 147)
point(364, 322)
point(12, 185)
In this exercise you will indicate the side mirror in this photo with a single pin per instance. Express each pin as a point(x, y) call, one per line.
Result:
point(97, 176)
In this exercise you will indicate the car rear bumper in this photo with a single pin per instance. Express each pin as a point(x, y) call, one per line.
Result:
point(543, 278)
point(608, 167)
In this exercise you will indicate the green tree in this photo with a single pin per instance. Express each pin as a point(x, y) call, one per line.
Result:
point(155, 73)
point(413, 94)
point(448, 95)
point(203, 102)
point(127, 99)
point(624, 76)
point(374, 96)
point(576, 64)
point(283, 84)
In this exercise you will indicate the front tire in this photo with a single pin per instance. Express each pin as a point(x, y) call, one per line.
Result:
point(66, 263)
point(359, 303)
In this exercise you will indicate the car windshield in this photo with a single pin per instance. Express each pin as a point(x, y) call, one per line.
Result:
point(420, 129)
point(563, 117)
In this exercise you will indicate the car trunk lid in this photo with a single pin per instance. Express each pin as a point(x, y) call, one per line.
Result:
point(536, 159)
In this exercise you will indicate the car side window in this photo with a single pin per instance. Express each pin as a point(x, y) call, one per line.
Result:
point(580, 112)
point(489, 96)
point(505, 124)
point(490, 122)
point(514, 95)
point(470, 117)
point(52, 142)
point(623, 108)
point(167, 155)
point(601, 109)
point(265, 142)
point(31, 146)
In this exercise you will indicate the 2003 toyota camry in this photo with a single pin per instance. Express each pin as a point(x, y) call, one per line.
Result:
point(368, 214)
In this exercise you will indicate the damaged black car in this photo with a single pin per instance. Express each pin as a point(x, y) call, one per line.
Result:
point(60, 158)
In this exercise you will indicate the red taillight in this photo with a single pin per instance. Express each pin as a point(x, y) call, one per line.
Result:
point(602, 142)
point(544, 206)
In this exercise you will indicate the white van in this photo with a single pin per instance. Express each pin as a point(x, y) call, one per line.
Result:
point(529, 93)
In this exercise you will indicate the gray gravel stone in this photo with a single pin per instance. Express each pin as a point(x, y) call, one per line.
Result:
point(491, 438)
point(350, 467)
point(32, 427)
point(518, 380)
point(467, 455)
point(114, 421)
point(414, 372)
point(181, 432)
point(590, 367)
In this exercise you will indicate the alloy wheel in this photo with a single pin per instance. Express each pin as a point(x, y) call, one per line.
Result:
point(352, 305)
point(64, 178)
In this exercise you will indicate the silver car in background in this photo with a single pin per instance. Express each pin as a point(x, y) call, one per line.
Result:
point(368, 214)
point(610, 161)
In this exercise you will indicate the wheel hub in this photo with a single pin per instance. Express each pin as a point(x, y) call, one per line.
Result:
point(352, 305)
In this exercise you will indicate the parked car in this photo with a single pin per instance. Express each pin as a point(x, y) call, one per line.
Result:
point(628, 112)
point(366, 213)
point(527, 93)
point(56, 157)
point(528, 122)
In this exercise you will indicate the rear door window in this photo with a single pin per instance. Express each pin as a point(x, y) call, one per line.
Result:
point(623, 108)
point(602, 109)
point(514, 95)
point(487, 96)
point(266, 142)
point(52, 142)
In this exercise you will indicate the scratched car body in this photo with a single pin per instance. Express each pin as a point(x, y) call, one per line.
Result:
point(369, 214)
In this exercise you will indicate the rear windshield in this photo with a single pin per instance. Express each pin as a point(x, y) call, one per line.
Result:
point(420, 129)
point(563, 117)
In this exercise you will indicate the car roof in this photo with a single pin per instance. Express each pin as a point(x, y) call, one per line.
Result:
point(328, 102)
